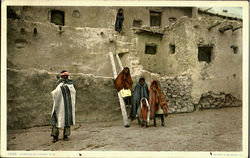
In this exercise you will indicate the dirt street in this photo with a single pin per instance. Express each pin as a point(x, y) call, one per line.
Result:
point(206, 130)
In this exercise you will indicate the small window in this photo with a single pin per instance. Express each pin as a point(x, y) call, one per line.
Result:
point(172, 48)
point(57, 17)
point(155, 18)
point(172, 19)
point(204, 53)
point(76, 14)
point(150, 49)
point(35, 31)
point(137, 23)
point(22, 31)
point(235, 49)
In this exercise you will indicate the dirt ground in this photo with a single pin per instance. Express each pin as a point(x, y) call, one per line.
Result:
point(206, 130)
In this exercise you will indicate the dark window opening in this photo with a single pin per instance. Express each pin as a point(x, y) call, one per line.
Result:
point(137, 23)
point(150, 49)
point(172, 19)
point(22, 31)
point(35, 31)
point(235, 49)
point(76, 14)
point(172, 48)
point(204, 53)
point(57, 17)
point(155, 18)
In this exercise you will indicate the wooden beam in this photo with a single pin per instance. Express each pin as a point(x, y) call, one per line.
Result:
point(225, 28)
point(207, 9)
point(237, 28)
point(214, 25)
point(122, 104)
point(119, 62)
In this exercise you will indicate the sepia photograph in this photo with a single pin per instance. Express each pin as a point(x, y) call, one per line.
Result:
point(156, 78)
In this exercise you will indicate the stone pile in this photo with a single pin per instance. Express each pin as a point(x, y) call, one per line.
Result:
point(177, 91)
point(217, 100)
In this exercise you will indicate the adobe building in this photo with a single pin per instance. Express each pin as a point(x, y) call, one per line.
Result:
point(195, 54)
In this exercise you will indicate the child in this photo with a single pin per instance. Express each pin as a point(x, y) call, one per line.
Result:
point(144, 112)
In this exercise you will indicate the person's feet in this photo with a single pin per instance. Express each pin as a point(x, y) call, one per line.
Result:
point(132, 119)
point(162, 124)
point(55, 139)
point(65, 138)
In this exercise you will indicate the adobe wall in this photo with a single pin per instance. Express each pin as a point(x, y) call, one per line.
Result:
point(83, 49)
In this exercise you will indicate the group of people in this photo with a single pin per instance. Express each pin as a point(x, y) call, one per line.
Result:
point(146, 103)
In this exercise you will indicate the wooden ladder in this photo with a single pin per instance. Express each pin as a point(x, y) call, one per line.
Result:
point(122, 104)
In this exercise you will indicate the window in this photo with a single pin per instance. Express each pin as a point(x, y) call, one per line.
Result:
point(76, 14)
point(172, 48)
point(155, 18)
point(150, 48)
point(137, 23)
point(57, 17)
point(235, 49)
point(204, 53)
point(172, 19)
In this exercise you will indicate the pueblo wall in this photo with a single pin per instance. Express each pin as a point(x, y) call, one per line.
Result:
point(82, 47)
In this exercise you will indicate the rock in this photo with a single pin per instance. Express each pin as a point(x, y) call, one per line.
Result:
point(175, 107)
point(185, 109)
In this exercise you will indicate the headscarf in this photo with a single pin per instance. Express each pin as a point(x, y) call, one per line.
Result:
point(66, 81)
point(123, 80)
point(64, 73)
point(157, 99)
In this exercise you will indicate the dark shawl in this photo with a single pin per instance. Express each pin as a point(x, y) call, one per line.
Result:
point(123, 80)
point(66, 81)
point(139, 93)
point(156, 100)
point(118, 22)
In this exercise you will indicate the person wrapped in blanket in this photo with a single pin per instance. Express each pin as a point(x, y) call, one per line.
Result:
point(119, 21)
point(63, 112)
point(157, 102)
point(144, 112)
point(140, 91)
point(124, 82)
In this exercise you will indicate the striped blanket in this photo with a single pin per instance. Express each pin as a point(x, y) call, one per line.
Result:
point(63, 113)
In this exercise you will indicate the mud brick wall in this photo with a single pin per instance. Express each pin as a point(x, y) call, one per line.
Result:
point(82, 48)
point(30, 102)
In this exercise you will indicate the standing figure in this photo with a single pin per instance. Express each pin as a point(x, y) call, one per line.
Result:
point(140, 91)
point(144, 113)
point(124, 82)
point(63, 113)
point(119, 20)
point(158, 104)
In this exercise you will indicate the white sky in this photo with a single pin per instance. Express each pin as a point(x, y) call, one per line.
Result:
point(231, 11)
